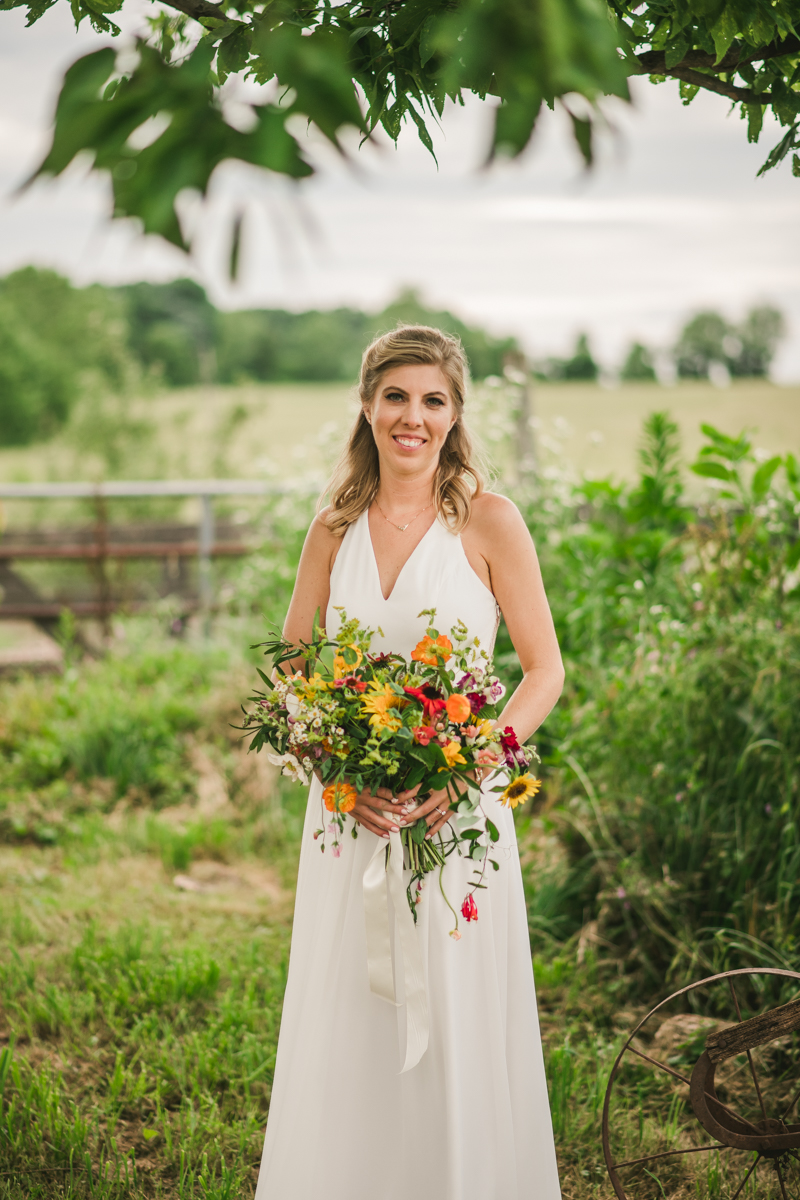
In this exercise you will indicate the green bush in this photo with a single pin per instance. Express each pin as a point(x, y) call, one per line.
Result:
point(53, 340)
point(674, 759)
point(124, 719)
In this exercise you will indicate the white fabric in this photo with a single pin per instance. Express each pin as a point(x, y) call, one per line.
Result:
point(471, 1120)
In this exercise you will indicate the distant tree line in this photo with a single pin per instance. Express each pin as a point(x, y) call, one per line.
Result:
point(56, 341)
point(707, 345)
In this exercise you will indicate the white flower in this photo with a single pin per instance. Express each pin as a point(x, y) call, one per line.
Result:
point(289, 766)
point(293, 704)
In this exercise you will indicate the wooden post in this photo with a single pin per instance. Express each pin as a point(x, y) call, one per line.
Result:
point(517, 371)
point(205, 541)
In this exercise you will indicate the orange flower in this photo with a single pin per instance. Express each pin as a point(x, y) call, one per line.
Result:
point(340, 797)
point(458, 708)
point(433, 652)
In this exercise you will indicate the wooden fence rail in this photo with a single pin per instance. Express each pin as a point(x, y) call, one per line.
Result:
point(175, 544)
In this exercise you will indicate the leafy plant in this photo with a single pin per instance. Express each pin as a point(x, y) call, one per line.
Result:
point(162, 127)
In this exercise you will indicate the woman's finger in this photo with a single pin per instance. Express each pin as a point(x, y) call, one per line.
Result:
point(377, 818)
point(438, 824)
point(371, 820)
point(410, 794)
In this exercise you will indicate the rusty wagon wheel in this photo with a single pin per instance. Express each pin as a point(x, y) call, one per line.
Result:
point(737, 1072)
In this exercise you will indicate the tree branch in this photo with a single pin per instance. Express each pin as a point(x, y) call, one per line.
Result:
point(654, 62)
point(197, 9)
point(712, 84)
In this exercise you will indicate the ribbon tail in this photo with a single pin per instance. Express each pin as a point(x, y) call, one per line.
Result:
point(416, 996)
point(376, 920)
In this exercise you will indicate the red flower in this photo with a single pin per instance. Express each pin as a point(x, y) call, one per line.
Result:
point(431, 700)
point(512, 751)
point(477, 701)
point(424, 734)
point(469, 909)
point(350, 681)
point(380, 660)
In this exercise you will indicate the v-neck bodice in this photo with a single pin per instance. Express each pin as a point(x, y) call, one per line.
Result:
point(437, 575)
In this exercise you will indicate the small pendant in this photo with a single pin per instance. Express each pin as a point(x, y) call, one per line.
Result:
point(403, 528)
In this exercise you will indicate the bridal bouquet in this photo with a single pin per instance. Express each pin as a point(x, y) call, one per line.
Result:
point(365, 721)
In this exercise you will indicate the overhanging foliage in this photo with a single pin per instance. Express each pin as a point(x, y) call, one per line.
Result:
point(365, 65)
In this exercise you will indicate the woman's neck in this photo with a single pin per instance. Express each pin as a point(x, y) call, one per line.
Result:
point(401, 493)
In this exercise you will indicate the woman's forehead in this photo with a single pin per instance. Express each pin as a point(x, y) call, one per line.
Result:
point(416, 377)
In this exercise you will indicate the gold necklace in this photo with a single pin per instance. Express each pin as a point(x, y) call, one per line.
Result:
point(402, 528)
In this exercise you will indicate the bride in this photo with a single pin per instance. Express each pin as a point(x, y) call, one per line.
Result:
point(356, 1114)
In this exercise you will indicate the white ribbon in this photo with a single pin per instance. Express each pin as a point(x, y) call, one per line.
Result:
point(380, 882)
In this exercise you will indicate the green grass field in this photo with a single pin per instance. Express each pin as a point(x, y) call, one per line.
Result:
point(283, 430)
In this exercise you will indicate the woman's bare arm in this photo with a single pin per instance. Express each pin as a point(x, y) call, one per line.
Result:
point(312, 586)
point(499, 535)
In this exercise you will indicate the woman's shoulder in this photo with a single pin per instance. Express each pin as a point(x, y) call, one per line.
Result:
point(492, 516)
point(321, 541)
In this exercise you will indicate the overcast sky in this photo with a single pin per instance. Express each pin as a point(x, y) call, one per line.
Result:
point(672, 220)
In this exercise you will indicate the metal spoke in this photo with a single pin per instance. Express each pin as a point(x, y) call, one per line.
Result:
point(738, 1191)
point(791, 1106)
point(688, 1082)
point(661, 1066)
point(631, 1162)
point(780, 1178)
point(749, 1055)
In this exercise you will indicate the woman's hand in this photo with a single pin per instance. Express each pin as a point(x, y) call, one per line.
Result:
point(435, 809)
point(383, 813)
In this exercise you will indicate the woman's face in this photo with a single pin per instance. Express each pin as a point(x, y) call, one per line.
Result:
point(411, 414)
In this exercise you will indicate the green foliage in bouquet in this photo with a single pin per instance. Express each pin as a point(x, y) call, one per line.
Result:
point(362, 721)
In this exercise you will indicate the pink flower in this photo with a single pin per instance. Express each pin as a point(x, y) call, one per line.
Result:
point(486, 756)
point(469, 909)
point(336, 850)
point(455, 935)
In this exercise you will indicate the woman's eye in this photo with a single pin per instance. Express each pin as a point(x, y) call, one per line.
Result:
point(435, 402)
point(394, 396)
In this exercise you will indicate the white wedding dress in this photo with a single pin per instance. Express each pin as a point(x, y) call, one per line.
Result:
point(471, 1120)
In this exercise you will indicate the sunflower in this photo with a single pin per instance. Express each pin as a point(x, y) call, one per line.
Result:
point(377, 703)
point(520, 789)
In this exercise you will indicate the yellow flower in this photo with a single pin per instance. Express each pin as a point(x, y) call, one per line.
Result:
point(310, 687)
point(520, 789)
point(452, 752)
point(485, 728)
point(341, 667)
point(378, 701)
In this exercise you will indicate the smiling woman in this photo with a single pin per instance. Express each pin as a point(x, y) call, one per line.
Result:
point(410, 528)
point(413, 387)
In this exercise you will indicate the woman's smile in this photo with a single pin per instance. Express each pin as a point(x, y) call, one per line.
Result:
point(408, 442)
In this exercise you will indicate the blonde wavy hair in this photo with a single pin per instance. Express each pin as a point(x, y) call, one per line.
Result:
point(459, 476)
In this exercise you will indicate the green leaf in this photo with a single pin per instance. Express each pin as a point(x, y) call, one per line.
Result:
point(418, 831)
point(713, 470)
point(583, 136)
point(763, 476)
point(492, 830)
point(724, 31)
